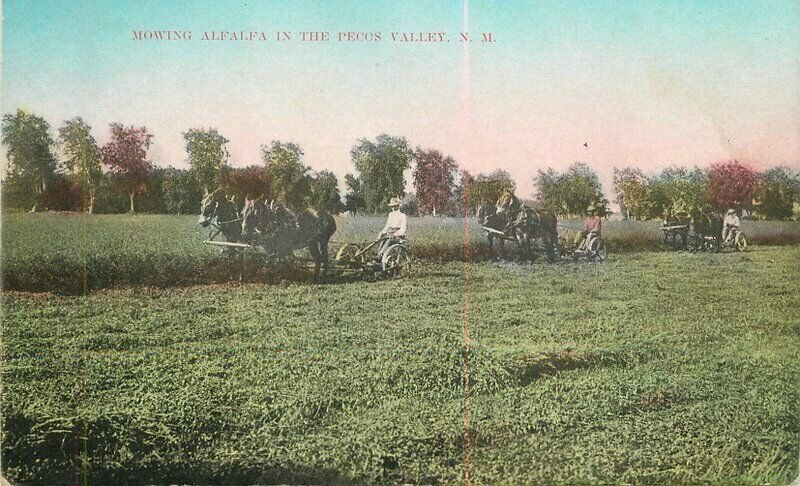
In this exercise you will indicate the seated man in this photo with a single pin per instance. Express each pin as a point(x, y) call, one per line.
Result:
point(591, 227)
point(730, 222)
point(395, 227)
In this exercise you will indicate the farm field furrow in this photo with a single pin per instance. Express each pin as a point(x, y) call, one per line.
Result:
point(650, 367)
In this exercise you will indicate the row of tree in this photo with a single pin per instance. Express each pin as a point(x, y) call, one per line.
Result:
point(771, 194)
point(71, 172)
point(76, 180)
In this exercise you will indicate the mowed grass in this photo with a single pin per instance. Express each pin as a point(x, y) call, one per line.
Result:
point(75, 253)
point(648, 368)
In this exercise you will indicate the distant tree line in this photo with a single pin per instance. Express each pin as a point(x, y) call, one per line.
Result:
point(771, 194)
point(70, 172)
point(571, 193)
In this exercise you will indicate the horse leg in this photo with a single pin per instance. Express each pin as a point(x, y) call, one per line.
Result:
point(314, 249)
point(550, 248)
point(323, 249)
point(522, 246)
point(528, 247)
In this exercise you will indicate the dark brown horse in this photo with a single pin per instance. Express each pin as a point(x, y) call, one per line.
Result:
point(280, 231)
point(488, 217)
point(677, 225)
point(530, 225)
point(707, 227)
point(536, 227)
point(527, 226)
point(219, 211)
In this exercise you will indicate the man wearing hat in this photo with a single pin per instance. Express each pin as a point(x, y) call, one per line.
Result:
point(731, 221)
point(591, 225)
point(395, 226)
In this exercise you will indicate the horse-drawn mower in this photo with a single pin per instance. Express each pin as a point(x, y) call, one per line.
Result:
point(271, 232)
point(368, 262)
point(351, 259)
point(686, 235)
point(592, 248)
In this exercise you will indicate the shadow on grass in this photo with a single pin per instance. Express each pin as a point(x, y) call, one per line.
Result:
point(529, 367)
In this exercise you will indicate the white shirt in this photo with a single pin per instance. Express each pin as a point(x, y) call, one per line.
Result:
point(395, 223)
point(731, 220)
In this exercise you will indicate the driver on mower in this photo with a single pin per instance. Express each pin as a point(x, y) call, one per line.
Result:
point(730, 225)
point(591, 228)
point(395, 227)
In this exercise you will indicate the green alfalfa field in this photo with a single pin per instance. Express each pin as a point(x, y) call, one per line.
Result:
point(652, 367)
point(71, 253)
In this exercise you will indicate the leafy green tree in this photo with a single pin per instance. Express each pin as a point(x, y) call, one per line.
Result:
point(482, 189)
point(570, 193)
point(778, 190)
point(63, 193)
point(289, 179)
point(181, 191)
point(633, 193)
point(548, 190)
point(381, 165)
point(354, 199)
point(487, 189)
point(32, 163)
point(16, 193)
point(434, 181)
point(110, 199)
point(582, 189)
point(153, 199)
point(461, 194)
point(410, 204)
point(678, 189)
point(208, 156)
point(82, 159)
point(126, 156)
point(325, 192)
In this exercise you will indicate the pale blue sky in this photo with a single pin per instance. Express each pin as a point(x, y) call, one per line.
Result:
point(643, 83)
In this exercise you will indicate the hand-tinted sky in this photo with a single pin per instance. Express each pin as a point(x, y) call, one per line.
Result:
point(642, 83)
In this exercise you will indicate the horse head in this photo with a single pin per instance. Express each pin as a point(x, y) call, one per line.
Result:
point(209, 206)
point(216, 208)
point(508, 202)
point(258, 215)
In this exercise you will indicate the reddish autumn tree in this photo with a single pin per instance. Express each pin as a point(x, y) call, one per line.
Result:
point(731, 185)
point(126, 156)
point(434, 180)
point(248, 182)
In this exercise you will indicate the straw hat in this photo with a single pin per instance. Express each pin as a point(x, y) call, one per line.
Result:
point(395, 201)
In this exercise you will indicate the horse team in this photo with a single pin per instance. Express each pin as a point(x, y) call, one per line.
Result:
point(533, 230)
point(273, 227)
point(276, 229)
point(706, 229)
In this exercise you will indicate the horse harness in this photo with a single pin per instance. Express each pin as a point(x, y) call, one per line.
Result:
point(218, 224)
